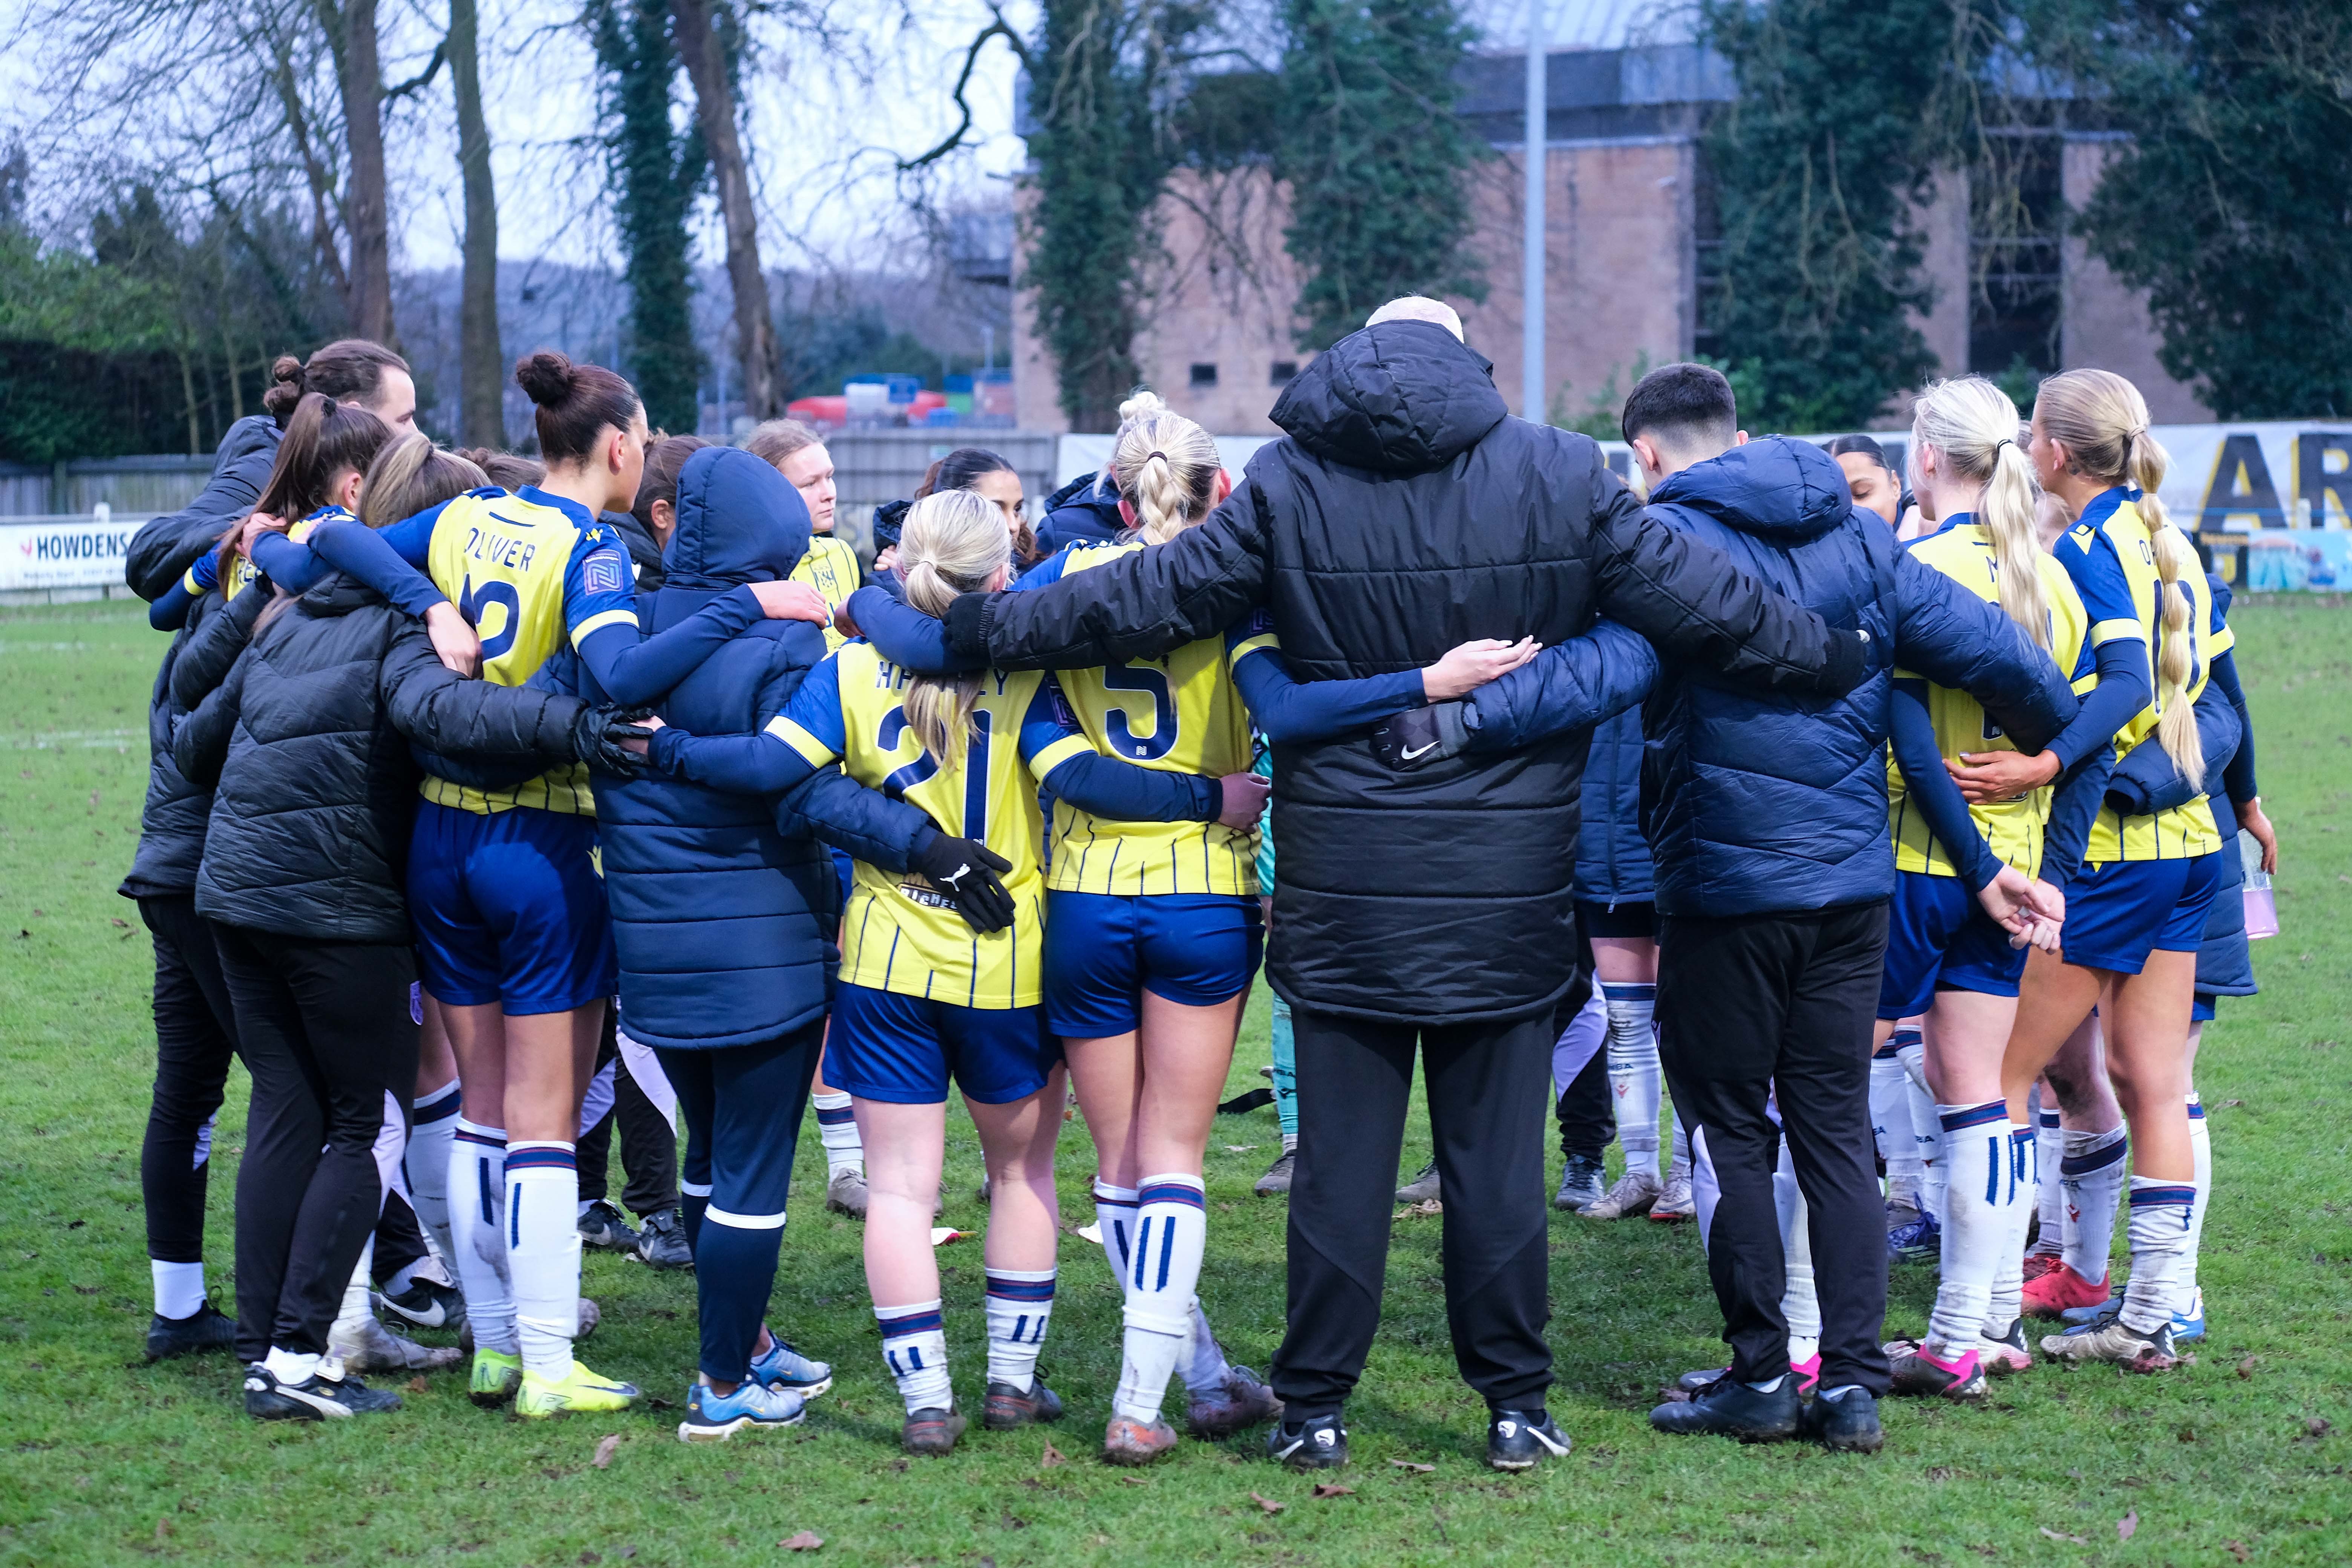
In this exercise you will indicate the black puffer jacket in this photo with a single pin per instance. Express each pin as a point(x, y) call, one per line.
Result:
point(1405, 514)
point(172, 822)
point(305, 746)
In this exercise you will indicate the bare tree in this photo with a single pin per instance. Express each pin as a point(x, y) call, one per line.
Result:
point(481, 361)
point(698, 45)
point(367, 215)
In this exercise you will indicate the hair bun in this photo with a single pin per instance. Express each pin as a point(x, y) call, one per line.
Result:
point(545, 376)
point(1141, 403)
point(286, 391)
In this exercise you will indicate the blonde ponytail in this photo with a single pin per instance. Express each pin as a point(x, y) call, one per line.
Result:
point(1165, 467)
point(1973, 424)
point(2102, 420)
point(951, 543)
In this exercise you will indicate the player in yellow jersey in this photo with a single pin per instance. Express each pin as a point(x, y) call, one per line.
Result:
point(514, 935)
point(941, 973)
point(1963, 872)
point(2135, 912)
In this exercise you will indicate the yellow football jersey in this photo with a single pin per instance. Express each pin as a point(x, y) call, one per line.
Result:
point(1178, 713)
point(1963, 551)
point(830, 567)
point(242, 572)
point(528, 571)
point(2112, 523)
point(899, 934)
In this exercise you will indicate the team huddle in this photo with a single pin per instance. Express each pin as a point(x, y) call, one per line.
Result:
point(487, 788)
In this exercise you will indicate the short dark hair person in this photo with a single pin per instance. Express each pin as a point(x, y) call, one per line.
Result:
point(1683, 404)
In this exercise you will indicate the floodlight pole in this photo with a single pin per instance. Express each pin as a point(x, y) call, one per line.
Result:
point(1533, 401)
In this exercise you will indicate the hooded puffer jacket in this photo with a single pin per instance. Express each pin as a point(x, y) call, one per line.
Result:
point(1405, 514)
point(1612, 858)
point(1084, 511)
point(1756, 802)
point(305, 747)
point(724, 905)
point(172, 821)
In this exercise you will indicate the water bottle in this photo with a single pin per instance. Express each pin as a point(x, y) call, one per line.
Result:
point(2261, 905)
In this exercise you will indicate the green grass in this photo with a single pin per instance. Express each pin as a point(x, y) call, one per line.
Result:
point(104, 1459)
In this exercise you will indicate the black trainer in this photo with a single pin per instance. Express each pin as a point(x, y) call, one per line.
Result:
point(1522, 1439)
point(317, 1397)
point(1849, 1423)
point(1729, 1408)
point(201, 1330)
point(605, 1226)
point(662, 1243)
point(1320, 1443)
point(425, 1304)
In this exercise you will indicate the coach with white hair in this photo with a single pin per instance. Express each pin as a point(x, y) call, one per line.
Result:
point(1406, 513)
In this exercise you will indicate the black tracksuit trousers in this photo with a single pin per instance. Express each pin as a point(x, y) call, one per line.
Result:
point(1781, 1006)
point(649, 1142)
point(326, 1035)
point(195, 1040)
point(1488, 1085)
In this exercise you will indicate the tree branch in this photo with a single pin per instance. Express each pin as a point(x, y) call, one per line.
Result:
point(997, 28)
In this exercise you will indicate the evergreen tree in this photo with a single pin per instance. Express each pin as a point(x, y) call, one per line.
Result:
point(659, 172)
point(1376, 159)
point(2232, 202)
point(1815, 165)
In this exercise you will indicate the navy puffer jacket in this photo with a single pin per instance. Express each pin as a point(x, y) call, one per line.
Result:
point(1084, 511)
point(1762, 802)
point(724, 905)
point(1612, 858)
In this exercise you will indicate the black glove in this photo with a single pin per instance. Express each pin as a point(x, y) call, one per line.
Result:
point(596, 737)
point(967, 872)
point(1420, 736)
point(1852, 659)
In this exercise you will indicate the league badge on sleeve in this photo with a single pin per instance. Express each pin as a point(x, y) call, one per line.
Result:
point(604, 572)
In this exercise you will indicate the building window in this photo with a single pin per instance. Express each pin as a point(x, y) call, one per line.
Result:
point(1204, 376)
point(2016, 209)
point(1285, 371)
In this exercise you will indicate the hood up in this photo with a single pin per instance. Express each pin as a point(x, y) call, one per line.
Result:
point(1779, 488)
point(1404, 397)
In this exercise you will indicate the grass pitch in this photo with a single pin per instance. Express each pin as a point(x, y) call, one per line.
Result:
point(109, 1460)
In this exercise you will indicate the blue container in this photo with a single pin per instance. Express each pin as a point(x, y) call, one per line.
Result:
point(942, 416)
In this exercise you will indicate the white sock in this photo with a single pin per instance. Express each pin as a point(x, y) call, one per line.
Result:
point(1681, 1148)
point(1927, 1133)
point(1635, 1079)
point(2162, 1214)
point(1202, 1365)
point(476, 1194)
point(179, 1287)
point(1799, 1304)
point(2049, 1153)
point(290, 1366)
point(1115, 1219)
point(1983, 1190)
point(430, 1133)
point(1171, 1231)
point(2200, 1145)
point(1020, 1305)
point(1890, 1124)
point(543, 1253)
point(355, 1311)
point(837, 1129)
point(915, 1347)
point(2092, 1175)
point(2006, 1303)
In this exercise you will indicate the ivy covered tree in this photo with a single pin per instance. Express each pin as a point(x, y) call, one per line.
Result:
point(658, 172)
point(2231, 203)
point(1103, 75)
point(1816, 163)
point(1375, 157)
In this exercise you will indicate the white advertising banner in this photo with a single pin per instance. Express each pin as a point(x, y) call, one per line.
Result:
point(65, 552)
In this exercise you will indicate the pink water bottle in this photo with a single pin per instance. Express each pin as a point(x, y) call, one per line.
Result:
point(2262, 904)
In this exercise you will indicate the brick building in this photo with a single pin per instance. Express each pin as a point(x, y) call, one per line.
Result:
point(1628, 240)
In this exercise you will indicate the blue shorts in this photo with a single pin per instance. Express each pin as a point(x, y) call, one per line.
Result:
point(508, 908)
point(2200, 1007)
point(1938, 937)
point(1103, 950)
point(903, 1049)
point(2118, 913)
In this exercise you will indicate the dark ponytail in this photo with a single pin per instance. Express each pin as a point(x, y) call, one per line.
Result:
point(575, 402)
point(322, 439)
point(665, 460)
point(348, 367)
point(962, 469)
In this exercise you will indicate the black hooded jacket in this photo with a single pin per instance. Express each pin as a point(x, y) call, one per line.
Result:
point(1405, 514)
point(305, 747)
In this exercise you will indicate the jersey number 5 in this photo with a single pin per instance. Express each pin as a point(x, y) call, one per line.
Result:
point(473, 601)
point(1123, 739)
